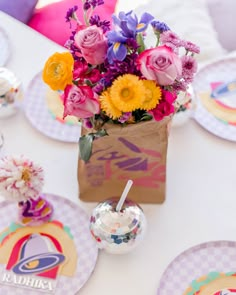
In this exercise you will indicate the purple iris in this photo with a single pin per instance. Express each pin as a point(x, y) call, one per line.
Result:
point(130, 27)
point(117, 50)
point(129, 23)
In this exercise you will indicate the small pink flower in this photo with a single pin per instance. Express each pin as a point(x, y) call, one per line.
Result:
point(189, 65)
point(80, 101)
point(20, 178)
point(189, 46)
point(170, 37)
point(125, 117)
point(160, 64)
point(92, 43)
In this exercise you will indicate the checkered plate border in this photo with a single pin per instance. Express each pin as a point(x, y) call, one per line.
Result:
point(39, 116)
point(217, 256)
point(220, 70)
point(77, 220)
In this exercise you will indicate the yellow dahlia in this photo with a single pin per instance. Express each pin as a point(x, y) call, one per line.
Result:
point(57, 72)
point(152, 95)
point(127, 93)
point(107, 105)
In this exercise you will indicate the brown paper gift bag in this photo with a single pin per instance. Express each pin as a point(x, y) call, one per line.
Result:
point(137, 152)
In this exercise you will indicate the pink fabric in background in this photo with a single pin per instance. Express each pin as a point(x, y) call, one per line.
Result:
point(50, 20)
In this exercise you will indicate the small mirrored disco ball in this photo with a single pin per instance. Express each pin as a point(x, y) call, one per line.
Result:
point(117, 232)
point(10, 92)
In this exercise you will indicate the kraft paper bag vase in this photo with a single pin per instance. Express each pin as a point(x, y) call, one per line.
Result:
point(137, 152)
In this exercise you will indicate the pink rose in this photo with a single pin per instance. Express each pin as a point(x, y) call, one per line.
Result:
point(92, 43)
point(160, 64)
point(80, 101)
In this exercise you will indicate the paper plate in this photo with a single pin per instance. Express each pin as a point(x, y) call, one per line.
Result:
point(77, 223)
point(221, 72)
point(4, 48)
point(39, 116)
point(219, 256)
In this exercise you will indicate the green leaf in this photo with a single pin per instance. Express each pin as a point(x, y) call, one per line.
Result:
point(140, 42)
point(100, 133)
point(85, 146)
point(86, 143)
point(146, 117)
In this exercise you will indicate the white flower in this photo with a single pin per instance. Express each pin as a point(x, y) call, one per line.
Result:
point(20, 178)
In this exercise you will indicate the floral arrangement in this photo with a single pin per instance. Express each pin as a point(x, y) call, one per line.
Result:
point(22, 180)
point(110, 76)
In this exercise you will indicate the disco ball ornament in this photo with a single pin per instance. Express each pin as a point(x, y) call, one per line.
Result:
point(185, 107)
point(10, 93)
point(117, 231)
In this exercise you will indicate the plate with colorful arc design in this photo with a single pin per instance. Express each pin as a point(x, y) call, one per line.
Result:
point(57, 257)
point(209, 267)
point(38, 113)
point(215, 92)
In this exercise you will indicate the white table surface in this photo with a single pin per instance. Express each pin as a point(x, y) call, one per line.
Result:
point(201, 187)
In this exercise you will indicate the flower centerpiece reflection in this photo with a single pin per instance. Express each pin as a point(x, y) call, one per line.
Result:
point(110, 76)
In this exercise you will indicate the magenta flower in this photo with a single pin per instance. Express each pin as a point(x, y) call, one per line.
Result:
point(165, 106)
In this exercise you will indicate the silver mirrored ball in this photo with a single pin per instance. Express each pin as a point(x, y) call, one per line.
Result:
point(117, 232)
point(10, 92)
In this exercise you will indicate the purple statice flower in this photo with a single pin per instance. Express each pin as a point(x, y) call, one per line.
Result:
point(159, 26)
point(70, 44)
point(189, 66)
point(86, 5)
point(71, 13)
point(118, 68)
point(95, 20)
point(189, 46)
point(99, 87)
point(92, 4)
point(170, 37)
point(125, 117)
point(96, 3)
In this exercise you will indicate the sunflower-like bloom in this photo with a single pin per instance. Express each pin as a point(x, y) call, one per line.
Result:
point(107, 105)
point(152, 95)
point(58, 70)
point(127, 93)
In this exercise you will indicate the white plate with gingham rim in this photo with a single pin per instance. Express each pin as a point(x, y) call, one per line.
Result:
point(219, 256)
point(223, 70)
point(4, 48)
point(71, 215)
point(39, 116)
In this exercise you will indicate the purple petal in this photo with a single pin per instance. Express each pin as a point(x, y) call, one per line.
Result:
point(114, 36)
point(120, 51)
